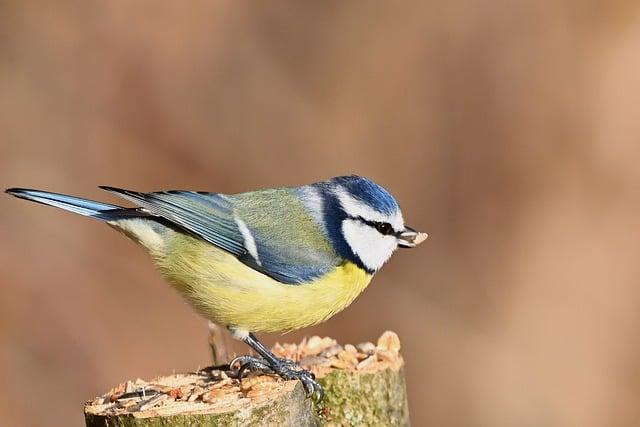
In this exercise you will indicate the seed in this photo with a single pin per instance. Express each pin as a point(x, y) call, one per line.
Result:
point(313, 345)
point(366, 347)
point(350, 348)
point(389, 341)
point(366, 362)
point(387, 355)
point(340, 364)
point(348, 357)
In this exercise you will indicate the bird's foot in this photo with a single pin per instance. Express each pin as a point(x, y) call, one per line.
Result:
point(247, 363)
point(285, 368)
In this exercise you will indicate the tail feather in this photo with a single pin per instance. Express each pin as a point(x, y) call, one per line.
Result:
point(99, 210)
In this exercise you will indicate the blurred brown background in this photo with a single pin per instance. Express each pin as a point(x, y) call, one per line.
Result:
point(508, 130)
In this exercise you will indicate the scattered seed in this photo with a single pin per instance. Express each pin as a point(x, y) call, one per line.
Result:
point(389, 341)
point(339, 364)
point(367, 362)
point(176, 393)
point(332, 351)
point(211, 396)
point(350, 349)
point(195, 393)
point(315, 361)
point(313, 345)
point(347, 357)
point(222, 383)
point(328, 342)
point(387, 355)
point(366, 347)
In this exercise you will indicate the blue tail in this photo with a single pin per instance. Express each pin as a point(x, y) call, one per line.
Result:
point(98, 210)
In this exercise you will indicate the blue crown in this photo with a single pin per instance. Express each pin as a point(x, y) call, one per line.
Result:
point(367, 192)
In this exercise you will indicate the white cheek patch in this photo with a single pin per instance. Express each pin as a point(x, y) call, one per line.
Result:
point(368, 244)
point(356, 208)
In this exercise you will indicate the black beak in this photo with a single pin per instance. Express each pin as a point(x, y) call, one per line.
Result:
point(410, 238)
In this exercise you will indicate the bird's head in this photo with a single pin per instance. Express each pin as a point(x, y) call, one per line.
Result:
point(362, 220)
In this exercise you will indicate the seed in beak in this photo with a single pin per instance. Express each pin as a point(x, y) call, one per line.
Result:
point(411, 238)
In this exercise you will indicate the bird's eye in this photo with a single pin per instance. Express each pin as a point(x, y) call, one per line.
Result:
point(384, 228)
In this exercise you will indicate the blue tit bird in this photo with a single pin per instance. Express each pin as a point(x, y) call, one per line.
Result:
point(271, 260)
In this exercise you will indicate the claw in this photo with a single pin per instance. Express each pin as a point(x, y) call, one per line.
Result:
point(312, 388)
point(243, 360)
point(283, 368)
point(308, 379)
point(251, 364)
point(254, 366)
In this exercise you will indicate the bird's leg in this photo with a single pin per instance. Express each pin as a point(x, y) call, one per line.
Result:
point(269, 363)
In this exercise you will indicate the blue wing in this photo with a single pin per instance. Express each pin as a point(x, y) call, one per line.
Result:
point(288, 245)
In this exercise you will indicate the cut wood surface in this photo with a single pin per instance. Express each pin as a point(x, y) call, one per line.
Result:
point(363, 385)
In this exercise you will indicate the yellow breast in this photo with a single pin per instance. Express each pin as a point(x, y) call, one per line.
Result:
point(230, 293)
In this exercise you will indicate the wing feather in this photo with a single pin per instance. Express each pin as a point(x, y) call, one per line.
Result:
point(211, 222)
point(290, 249)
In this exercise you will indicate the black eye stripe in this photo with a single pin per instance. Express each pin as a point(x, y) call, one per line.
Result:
point(383, 228)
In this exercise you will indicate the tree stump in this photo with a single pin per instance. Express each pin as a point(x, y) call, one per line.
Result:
point(363, 385)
